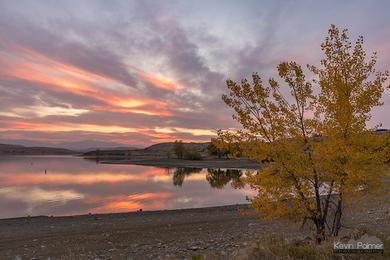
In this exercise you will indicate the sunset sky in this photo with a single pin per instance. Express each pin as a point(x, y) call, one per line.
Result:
point(142, 72)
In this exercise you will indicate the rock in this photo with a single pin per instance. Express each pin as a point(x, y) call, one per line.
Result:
point(18, 258)
point(194, 248)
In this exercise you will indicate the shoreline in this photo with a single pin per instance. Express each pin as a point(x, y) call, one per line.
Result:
point(207, 163)
point(127, 213)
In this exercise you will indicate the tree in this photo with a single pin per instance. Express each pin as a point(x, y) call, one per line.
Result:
point(212, 149)
point(321, 154)
point(227, 145)
point(179, 149)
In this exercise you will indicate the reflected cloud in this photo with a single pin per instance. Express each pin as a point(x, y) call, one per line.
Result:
point(86, 178)
point(134, 202)
point(35, 196)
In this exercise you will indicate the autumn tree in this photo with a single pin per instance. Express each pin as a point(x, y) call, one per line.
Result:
point(227, 145)
point(322, 155)
point(212, 149)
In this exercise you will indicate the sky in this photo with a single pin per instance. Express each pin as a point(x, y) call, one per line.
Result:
point(136, 73)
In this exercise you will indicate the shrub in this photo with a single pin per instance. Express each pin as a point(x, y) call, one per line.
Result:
point(192, 155)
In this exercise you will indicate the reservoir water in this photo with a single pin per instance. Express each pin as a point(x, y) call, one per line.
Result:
point(69, 185)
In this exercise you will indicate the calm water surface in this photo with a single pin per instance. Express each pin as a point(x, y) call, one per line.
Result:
point(67, 185)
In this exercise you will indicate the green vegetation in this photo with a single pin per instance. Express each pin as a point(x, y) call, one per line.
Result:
point(182, 152)
point(178, 149)
point(192, 155)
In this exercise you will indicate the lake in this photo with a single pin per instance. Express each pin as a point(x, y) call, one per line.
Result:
point(68, 185)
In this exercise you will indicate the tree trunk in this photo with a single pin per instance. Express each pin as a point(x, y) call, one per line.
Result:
point(320, 227)
point(337, 219)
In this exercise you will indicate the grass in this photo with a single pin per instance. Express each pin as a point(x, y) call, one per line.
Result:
point(276, 247)
point(196, 257)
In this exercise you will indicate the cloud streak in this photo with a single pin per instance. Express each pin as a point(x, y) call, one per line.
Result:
point(123, 72)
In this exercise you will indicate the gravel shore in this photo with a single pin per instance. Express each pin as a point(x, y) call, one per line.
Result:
point(214, 233)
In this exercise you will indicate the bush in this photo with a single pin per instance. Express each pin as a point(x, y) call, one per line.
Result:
point(192, 155)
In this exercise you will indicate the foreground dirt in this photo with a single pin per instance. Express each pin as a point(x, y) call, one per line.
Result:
point(214, 233)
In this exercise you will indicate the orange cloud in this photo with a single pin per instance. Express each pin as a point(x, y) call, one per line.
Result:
point(31, 66)
point(67, 127)
point(159, 81)
point(115, 102)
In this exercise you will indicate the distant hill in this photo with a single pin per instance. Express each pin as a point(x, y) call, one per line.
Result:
point(79, 146)
point(8, 149)
point(156, 150)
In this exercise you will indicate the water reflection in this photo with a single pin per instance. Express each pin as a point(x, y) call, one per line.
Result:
point(218, 178)
point(180, 174)
point(73, 185)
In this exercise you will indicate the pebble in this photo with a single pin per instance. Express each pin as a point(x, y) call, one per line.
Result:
point(194, 248)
